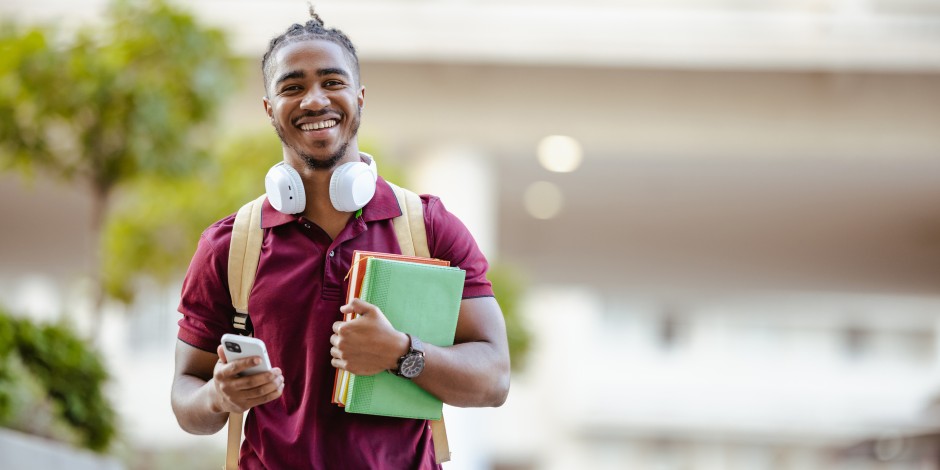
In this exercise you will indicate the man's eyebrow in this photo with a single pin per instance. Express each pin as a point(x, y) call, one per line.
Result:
point(332, 71)
point(290, 76)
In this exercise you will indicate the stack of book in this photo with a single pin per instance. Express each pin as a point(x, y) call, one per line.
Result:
point(419, 296)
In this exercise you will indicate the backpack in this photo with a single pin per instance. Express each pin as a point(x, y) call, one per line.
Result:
point(243, 256)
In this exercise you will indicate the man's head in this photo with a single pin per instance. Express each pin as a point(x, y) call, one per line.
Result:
point(313, 96)
point(313, 29)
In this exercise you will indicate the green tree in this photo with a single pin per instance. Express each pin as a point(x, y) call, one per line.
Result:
point(157, 223)
point(128, 98)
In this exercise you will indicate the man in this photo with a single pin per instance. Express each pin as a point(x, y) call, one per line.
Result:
point(314, 99)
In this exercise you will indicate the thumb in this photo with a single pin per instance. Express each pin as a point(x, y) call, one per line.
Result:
point(221, 352)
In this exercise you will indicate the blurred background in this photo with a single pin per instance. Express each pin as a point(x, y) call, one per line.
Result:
point(714, 224)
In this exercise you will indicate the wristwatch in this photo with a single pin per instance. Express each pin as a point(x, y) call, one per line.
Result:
point(412, 363)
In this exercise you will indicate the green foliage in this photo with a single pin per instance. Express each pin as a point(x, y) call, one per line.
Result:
point(121, 99)
point(51, 384)
point(508, 287)
point(157, 223)
point(127, 99)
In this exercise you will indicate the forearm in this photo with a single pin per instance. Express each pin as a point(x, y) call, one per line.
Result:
point(473, 374)
point(194, 408)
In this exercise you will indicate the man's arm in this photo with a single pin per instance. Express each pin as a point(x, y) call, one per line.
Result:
point(472, 372)
point(475, 370)
point(206, 388)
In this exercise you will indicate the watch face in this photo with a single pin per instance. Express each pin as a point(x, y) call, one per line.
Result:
point(412, 365)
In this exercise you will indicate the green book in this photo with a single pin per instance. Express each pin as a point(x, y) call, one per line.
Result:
point(422, 300)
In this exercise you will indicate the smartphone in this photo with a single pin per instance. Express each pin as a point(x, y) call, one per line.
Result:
point(238, 347)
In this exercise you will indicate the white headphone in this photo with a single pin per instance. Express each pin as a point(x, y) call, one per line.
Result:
point(351, 186)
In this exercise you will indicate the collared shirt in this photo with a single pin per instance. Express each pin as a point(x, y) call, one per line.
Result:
point(295, 299)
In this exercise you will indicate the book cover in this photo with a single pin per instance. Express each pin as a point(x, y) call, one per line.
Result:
point(419, 299)
point(357, 270)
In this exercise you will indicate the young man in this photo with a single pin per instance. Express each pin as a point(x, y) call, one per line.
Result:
point(314, 99)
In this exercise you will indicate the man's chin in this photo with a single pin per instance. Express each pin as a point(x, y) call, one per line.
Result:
point(315, 163)
point(323, 162)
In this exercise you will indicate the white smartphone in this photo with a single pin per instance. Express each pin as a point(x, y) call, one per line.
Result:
point(238, 347)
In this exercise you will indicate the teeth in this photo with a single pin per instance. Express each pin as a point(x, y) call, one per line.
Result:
point(312, 126)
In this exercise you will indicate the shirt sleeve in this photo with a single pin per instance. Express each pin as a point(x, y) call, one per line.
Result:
point(448, 238)
point(205, 301)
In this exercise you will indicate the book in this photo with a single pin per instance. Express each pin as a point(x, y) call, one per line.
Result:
point(357, 270)
point(422, 300)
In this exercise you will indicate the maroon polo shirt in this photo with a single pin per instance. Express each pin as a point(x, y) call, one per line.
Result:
point(295, 300)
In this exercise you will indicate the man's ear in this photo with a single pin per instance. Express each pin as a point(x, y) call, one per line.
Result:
point(267, 106)
point(362, 97)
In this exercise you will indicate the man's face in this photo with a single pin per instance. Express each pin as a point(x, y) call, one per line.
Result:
point(314, 102)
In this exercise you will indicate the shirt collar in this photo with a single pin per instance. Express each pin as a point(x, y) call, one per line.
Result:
point(383, 206)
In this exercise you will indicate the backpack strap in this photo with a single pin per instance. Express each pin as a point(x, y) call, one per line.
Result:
point(413, 240)
point(243, 255)
point(409, 227)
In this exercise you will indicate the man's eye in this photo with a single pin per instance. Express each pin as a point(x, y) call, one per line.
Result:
point(333, 83)
point(290, 88)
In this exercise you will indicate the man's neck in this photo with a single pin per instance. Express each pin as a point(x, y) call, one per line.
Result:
point(319, 209)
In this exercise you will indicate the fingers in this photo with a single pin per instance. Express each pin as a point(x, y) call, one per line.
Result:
point(338, 363)
point(221, 352)
point(358, 306)
point(242, 393)
point(241, 365)
point(276, 385)
point(348, 308)
point(226, 371)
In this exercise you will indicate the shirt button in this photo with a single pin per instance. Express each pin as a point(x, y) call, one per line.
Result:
point(307, 225)
point(332, 252)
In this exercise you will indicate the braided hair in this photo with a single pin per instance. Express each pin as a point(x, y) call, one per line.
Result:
point(312, 29)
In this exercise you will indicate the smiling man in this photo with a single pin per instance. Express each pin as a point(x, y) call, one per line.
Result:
point(314, 99)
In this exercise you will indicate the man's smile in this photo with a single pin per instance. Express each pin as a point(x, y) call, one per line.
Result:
point(312, 126)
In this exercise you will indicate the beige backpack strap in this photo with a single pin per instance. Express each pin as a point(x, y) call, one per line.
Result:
point(234, 441)
point(413, 240)
point(409, 227)
point(243, 255)
point(439, 436)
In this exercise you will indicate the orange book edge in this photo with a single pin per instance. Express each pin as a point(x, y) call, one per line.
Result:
point(357, 272)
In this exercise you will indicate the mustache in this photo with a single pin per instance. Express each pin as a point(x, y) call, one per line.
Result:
point(313, 114)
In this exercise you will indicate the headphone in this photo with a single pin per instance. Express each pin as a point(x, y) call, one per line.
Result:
point(351, 186)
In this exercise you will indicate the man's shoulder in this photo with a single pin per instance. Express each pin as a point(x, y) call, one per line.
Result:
point(219, 234)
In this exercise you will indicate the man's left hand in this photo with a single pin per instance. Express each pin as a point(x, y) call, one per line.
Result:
point(368, 344)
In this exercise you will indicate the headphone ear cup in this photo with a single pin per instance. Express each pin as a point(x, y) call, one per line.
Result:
point(285, 189)
point(352, 186)
point(373, 168)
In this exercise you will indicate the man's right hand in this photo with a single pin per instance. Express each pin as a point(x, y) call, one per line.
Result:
point(236, 394)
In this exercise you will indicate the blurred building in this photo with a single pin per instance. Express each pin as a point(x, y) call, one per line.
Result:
point(736, 267)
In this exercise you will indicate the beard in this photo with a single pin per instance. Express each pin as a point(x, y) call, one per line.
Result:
point(312, 162)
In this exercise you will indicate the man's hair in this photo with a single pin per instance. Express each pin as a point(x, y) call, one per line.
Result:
point(313, 29)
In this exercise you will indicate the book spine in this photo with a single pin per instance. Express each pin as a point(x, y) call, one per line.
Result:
point(359, 390)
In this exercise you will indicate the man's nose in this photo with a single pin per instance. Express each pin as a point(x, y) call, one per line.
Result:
point(315, 99)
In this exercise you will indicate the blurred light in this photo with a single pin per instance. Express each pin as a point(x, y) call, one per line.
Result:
point(560, 153)
point(543, 200)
